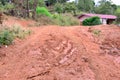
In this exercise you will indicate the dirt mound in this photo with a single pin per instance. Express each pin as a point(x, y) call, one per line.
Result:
point(62, 53)
point(111, 45)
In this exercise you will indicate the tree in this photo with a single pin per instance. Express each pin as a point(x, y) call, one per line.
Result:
point(86, 5)
point(56, 1)
point(65, 7)
point(23, 7)
point(117, 13)
point(59, 8)
point(105, 7)
point(3, 1)
point(70, 7)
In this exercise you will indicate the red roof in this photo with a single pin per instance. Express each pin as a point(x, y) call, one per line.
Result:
point(100, 15)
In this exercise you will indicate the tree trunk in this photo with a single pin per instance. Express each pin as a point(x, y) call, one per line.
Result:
point(27, 5)
point(34, 12)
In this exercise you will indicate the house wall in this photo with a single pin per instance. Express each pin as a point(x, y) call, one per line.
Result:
point(104, 21)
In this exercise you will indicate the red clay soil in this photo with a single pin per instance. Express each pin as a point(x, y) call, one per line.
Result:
point(63, 53)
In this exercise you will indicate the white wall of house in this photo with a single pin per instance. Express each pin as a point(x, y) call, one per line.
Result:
point(104, 21)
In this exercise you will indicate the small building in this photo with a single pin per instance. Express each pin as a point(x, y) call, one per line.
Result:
point(105, 19)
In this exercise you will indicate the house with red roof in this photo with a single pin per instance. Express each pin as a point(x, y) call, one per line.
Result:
point(105, 19)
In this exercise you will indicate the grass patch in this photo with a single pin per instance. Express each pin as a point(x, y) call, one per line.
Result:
point(6, 38)
point(7, 35)
point(57, 19)
point(44, 20)
point(65, 20)
point(18, 32)
point(96, 32)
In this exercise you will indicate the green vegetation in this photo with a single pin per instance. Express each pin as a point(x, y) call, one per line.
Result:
point(70, 8)
point(59, 8)
point(65, 20)
point(40, 8)
point(58, 19)
point(65, 8)
point(117, 13)
point(105, 7)
point(96, 32)
point(8, 35)
point(7, 7)
point(43, 11)
point(52, 2)
point(18, 32)
point(86, 5)
point(92, 21)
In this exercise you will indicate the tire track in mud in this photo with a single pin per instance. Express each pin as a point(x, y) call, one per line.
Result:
point(55, 52)
point(59, 55)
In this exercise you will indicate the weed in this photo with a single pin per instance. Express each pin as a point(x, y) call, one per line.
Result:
point(97, 32)
point(65, 20)
point(18, 32)
point(7, 35)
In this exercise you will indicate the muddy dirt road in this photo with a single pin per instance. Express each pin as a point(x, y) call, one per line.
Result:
point(63, 53)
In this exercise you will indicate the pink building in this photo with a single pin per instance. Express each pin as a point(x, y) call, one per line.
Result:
point(105, 19)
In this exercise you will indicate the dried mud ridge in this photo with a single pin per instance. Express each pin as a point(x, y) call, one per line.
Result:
point(111, 46)
point(55, 53)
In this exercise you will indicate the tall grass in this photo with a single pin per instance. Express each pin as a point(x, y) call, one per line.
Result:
point(65, 20)
point(7, 35)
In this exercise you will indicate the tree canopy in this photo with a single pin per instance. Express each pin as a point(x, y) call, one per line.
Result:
point(86, 5)
point(105, 7)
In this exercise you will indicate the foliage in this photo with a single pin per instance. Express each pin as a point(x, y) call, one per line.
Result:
point(56, 1)
point(59, 8)
point(97, 32)
point(18, 32)
point(8, 35)
point(65, 20)
point(44, 20)
point(7, 7)
point(66, 7)
point(92, 21)
point(86, 5)
point(117, 13)
point(105, 7)
point(70, 7)
point(3, 2)
point(57, 19)
point(43, 11)
point(40, 3)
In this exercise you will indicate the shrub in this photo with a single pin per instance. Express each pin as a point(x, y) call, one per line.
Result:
point(44, 20)
point(18, 32)
point(65, 20)
point(7, 7)
point(43, 11)
point(117, 13)
point(40, 3)
point(59, 8)
point(92, 21)
point(9, 34)
point(97, 32)
point(66, 7)
point(70, 7)
point(6, 37)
